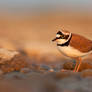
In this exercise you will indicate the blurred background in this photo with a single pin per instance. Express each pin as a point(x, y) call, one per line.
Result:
point(32, 24)
point(29, 26)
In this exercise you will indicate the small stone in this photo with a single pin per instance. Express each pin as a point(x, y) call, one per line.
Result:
point(44, 67)
point(14, 75)
point(25, 70)
point(12, 61)
point(51, 70)
point(68, 66)
point(64, 70)
point(56, 67)
point(6, 55)
point(35, 67)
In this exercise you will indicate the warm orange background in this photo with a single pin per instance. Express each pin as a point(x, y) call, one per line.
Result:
point(31, 25)
point(26, 31)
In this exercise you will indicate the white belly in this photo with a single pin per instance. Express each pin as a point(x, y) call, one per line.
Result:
point(71, 52)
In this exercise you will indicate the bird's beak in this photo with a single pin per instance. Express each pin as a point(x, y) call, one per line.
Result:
point(54, 39)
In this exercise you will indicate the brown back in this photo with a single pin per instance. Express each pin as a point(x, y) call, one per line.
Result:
point(81, 43)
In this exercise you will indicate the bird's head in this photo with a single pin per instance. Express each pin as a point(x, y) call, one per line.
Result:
point(62, 37)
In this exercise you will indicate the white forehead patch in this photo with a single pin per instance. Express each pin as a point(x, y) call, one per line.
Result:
point(65, 32)
point(57, 35)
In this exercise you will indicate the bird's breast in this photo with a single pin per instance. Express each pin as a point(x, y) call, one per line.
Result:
point(70, 51)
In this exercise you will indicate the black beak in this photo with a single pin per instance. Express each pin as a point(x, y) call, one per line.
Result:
point(54, 39)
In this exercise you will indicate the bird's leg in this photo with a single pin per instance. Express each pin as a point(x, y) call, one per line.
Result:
point(80, 60)
point(77, 62)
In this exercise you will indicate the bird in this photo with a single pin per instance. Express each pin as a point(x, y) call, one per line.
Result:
point(73, 45)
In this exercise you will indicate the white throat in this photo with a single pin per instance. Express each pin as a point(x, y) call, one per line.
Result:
point(62, 41)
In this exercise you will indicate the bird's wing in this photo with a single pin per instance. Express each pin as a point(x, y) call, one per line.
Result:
point(81, 43)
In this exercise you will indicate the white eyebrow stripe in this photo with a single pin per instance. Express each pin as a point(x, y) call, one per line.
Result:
point(57, 35)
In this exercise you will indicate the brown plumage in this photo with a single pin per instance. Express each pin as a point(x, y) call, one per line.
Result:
point(81, 43)
point(77, 43)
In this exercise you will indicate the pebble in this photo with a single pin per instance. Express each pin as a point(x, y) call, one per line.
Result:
point(14, 75)
point(25, 70)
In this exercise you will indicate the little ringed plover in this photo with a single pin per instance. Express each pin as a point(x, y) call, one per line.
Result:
point(73, 45)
